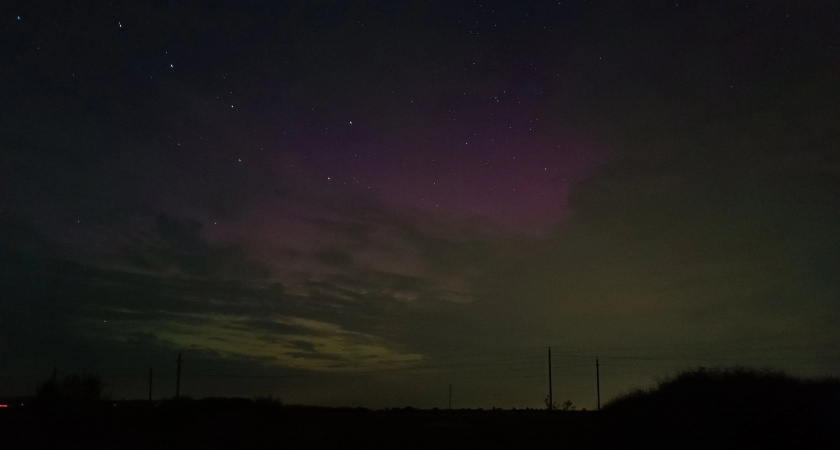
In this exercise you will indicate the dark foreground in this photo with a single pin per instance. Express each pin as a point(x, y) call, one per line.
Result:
point(224, 424)
point(700, 409)
point(232, 424)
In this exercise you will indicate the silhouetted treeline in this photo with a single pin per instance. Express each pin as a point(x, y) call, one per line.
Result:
point(734, 408)
point(703, 408)
point(72, 389)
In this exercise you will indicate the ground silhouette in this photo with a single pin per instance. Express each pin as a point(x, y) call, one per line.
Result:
point(729, 407)
point(703, 408)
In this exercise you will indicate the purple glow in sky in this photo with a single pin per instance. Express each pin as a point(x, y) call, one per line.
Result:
point(319, 195)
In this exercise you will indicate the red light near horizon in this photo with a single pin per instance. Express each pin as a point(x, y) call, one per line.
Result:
point(4, 406)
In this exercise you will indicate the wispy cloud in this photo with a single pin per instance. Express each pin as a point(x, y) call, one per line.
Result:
point(279, 341)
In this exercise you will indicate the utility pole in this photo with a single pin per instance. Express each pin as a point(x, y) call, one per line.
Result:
point(178, 378)
point(450, 395)
point(598, 381)
point(550, 395)
point(150, 383)
point(55, 375)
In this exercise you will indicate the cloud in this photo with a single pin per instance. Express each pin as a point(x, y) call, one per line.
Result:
point(179, 248)
point(279, 341)
point(725, 228)
point(335, 258)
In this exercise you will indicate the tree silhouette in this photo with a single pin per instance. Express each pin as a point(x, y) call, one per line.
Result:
point(565, 406)
point(73, 388)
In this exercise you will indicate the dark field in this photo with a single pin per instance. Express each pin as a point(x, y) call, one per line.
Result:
point(700, 409)
point(226, 424)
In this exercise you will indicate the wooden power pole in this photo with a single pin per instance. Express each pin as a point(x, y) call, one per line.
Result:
point(598, 381)
point(550, 394)
point(178, 378)
point(150, 383)
point(450, 395)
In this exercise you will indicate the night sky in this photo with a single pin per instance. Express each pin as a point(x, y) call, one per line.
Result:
point(357, 203)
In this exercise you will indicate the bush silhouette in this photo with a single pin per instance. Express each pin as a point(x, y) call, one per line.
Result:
point(732, 405)
point(73, 388)
point(567, 405)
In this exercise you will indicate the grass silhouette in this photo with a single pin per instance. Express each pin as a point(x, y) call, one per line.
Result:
point(700, 408)
point(729, 407)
